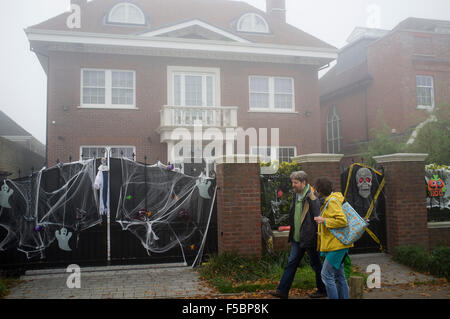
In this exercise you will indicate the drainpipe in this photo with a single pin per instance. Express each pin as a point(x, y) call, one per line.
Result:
point(46, 121)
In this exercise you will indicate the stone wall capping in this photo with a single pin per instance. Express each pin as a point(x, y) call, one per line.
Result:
point(317, 158)
point(236, 159)
point(400, 157)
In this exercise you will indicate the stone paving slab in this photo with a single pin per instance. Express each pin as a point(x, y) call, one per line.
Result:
point(392, 273)
point(112, 282)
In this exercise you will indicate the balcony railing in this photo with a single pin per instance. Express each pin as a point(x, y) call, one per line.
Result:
point(210, 116)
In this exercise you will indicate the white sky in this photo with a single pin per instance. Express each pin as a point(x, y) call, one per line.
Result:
point(23, 82)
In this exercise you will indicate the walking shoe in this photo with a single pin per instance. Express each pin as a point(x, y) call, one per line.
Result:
point(318, 294)
point(278, 294)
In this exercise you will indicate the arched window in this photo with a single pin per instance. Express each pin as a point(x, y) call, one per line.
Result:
point(252, 22)
point(126, 13)
point(334, 136)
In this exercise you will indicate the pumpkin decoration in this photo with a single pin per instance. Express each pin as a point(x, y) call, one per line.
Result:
point(280, 193)
point(436, 187)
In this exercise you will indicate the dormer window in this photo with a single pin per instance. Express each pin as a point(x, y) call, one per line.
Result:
point(126, 13)
point(252, 22)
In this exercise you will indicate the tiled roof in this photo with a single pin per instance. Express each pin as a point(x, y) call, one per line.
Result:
point(223, 14)
point(10, 128)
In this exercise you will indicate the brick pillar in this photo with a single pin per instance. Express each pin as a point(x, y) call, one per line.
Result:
point(239, 206)
point(322, 165)
point(406, 211)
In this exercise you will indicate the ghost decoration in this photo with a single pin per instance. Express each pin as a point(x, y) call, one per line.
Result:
point(203, 188)
point(364, 182)
point(63, 239)
point(5, 194)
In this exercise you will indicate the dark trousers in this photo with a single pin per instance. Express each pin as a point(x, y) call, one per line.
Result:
point(295, 257)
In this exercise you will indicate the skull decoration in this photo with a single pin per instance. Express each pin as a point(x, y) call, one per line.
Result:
point(364, 181)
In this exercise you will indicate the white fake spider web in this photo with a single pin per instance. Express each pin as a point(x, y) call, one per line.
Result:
point(43, 204)
point(165, 209)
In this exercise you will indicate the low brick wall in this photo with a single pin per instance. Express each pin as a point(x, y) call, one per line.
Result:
point(406, 211)
point(280, 240)
point(322, 165)
point(438, 234)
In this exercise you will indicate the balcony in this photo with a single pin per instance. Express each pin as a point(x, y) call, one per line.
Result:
point(189, 116)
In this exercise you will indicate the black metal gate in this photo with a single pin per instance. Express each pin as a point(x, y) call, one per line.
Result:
point(126, 248)
point(90, 246)
point(363, 188)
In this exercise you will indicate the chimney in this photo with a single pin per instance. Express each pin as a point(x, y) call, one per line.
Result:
point(78, 2)
point(276, 9)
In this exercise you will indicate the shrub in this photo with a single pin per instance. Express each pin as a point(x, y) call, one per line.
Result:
point(270, 187)
point(440, 262)
point(230, 272)
point(436, 263)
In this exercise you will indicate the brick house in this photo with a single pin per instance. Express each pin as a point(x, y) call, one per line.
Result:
point(125, 75)
point(401, 74)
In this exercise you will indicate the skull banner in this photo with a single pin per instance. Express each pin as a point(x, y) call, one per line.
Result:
point(363, 189)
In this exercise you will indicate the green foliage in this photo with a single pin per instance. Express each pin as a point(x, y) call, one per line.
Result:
point(440, 262)
point(436, 263)
point(6, 284)
point(434, 166)
point(434, 138)
point(271, 184)
point(232, 273)
point(381, 143)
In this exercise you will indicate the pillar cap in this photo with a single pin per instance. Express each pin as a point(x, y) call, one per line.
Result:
point(236, 159)
point(400, 157)
point(318, 158)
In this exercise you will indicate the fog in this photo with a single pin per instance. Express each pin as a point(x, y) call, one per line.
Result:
point(23, 81)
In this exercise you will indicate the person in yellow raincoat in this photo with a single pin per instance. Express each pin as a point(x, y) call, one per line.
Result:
point(332, 216)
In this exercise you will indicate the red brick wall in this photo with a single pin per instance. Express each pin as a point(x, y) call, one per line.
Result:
point(74, 126)
point(239, 209)
point(406, 212)
point(351, 107)
point(324, 169)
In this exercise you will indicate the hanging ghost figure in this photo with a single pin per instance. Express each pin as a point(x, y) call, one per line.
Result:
point(364, 182)
point(5, 194)
point(63, 239)
point(203, 188)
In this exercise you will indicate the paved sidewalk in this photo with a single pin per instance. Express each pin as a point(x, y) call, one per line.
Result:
point(177, 281)
point(143, 281)
point(399, 281)
point(392, 273)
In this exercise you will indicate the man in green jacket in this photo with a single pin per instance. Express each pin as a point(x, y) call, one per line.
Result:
point(302, 236)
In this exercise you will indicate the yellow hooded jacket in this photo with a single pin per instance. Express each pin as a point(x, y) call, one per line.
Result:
point(334, 218)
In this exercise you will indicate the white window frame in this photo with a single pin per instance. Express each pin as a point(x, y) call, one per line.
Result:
point(426, 107)
point(127, 6)
point(252, 16)
point(108, 149)
point(108, 90)
point(334, 138)
point(274, 151)
point(271, 108)
point(194, 71)
point(287, 147)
